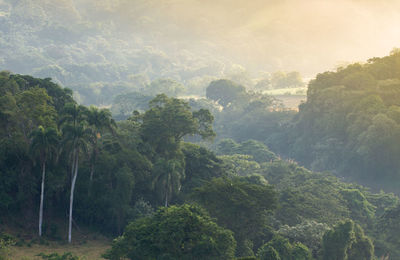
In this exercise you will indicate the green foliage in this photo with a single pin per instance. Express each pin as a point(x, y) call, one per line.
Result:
point(301, 252)
point(142, 209)
point(125, 172)
point(239, 206)
point(169, 120)
point(167, 178)
point(226, 92)
point(247, 115)
point(201, 165)
point(267, 252)
point(280, 248)
point(309, 233)
point(168, 87)
point(26, 103)
point(246, 258)
point(349, 123)
point(361, 208)
point(123, 105)
point(241, 165)
point(163, 127)
point(44, 142)
point(305, 195)
point(6, 241)
point(320, 196)
point(245, 158)
point(387, 229)
point(259, 151)
point(347, 241)
point(177, 232)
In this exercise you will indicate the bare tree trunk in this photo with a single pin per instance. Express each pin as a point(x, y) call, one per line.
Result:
point(71, 199)
point(166, 196)
point(41, 198)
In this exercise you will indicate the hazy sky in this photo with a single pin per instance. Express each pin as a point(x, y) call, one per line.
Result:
point(306, 35)
point(309, 36)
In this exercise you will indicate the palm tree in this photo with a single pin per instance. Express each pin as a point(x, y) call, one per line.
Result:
point(100, 120)
point(44, 142)
point(76, 135)
point(168, 175)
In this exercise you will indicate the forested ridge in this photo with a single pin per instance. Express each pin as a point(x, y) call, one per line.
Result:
point(350, 123)
point(140, 179)
point(102, 49)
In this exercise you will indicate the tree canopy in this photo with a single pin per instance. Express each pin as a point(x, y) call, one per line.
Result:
point(176, 232)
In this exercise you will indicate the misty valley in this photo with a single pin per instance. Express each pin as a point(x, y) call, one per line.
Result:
point(138, 130)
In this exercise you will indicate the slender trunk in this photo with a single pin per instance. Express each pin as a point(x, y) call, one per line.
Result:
point(166, 198)
point(166, 193)
point(73, 162)
point(41, 198)
point(93, 161)
point(71, 199)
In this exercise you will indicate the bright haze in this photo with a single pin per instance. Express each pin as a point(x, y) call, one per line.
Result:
point(183, 39)
point(309, 36)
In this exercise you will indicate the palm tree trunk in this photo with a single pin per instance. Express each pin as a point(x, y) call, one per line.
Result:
point(71, 199)
point(166, 195)
point(41, 198)
point(166, 199)
point(73, 163)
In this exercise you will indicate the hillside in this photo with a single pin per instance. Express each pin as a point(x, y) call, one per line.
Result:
point(140, 178)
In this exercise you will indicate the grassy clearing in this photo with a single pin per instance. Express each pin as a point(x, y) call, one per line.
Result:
point(86, 244)
point(87, 250)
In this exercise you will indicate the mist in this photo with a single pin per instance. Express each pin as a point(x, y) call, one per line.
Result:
point(260, 36)
point(258, 129)
point(308, 36)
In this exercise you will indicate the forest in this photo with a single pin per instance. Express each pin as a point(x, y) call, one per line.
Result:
point(104, 48)
point(201, 170)
point(155, 130)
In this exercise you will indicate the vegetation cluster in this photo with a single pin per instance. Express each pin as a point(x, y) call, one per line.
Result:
point(140, 178)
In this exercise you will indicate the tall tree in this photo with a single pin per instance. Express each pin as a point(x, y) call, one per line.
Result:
point(77, 136)
point(44, 143)
point(163, 127)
